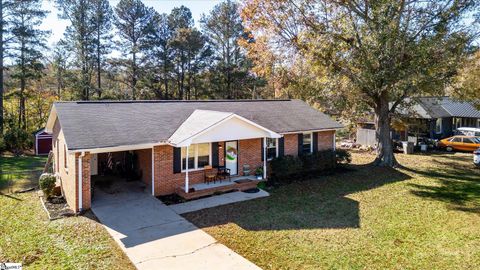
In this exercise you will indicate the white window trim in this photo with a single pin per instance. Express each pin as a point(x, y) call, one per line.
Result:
point(195, 162)
point(441, 125)
point(311, 140)
point(276, 150)
point(457, 123)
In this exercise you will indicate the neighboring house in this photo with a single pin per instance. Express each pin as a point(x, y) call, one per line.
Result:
point(439, 117)
point(43, 142)
point(163, 135)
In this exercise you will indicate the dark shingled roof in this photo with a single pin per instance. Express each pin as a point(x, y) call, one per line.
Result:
point(101, 124)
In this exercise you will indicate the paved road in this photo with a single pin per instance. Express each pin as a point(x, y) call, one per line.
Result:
point(154, 237)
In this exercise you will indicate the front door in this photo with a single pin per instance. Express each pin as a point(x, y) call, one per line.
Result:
point(231, 157)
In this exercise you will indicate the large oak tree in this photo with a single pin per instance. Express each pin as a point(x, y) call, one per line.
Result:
point(387, 50)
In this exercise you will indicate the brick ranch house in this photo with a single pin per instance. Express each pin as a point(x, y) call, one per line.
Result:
point(162, 135)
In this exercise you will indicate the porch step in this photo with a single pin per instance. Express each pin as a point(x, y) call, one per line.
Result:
point(210, 189)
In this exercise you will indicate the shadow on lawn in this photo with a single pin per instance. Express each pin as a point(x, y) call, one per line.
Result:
point(312, 204)
point(459, 185)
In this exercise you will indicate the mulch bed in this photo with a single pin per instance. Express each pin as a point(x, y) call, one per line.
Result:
point(171, 199)
point(56, 207)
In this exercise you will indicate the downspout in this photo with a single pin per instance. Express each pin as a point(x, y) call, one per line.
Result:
point(265, 158)
point(186, 171)
point(80, 182)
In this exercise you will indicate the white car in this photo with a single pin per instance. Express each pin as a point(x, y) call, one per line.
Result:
point(468, 131)
point(476, 157)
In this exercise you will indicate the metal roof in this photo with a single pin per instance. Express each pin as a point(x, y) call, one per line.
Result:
point(102, 124)
point(441, 107)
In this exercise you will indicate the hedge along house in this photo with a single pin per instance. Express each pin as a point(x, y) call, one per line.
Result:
point(164, 135)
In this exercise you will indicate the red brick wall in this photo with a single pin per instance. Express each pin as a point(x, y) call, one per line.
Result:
point(249, 152)
point(67, 174)
point(325, 140)
point(86, 194)
point(290, 142)
point(166, 181)
point(144, 163)
point(221, 153)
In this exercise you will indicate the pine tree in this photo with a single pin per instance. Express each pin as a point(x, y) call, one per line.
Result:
point(102, 20)
point(223, 27)
point(160, 53)
point(80, 39)
point(27, 42)
point(133, 21)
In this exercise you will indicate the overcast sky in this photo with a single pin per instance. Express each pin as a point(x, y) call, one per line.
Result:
point(57, 26)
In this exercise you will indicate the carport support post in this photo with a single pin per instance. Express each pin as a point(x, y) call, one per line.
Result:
point(80, 181)
point(153, 171)
point(265, 158)
point(186, 172)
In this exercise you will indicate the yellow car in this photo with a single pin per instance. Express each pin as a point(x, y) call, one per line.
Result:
point(460, 143)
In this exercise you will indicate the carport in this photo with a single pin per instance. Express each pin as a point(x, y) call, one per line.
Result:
point(112, 171)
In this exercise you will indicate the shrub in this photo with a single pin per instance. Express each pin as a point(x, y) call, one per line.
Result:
point(3, 147)
point(343, 156)
point(47, 184)
point(318, 161)
point(17, 139)
point(287, 168)
point(284, 167)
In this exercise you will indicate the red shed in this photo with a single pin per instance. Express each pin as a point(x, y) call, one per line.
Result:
point(43, 142)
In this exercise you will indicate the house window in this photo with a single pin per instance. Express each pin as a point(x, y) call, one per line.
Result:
point(457, 122)
point(307, 143)
point(65, 163)
point(272, 151)
point(198, 156)
point(438, 126)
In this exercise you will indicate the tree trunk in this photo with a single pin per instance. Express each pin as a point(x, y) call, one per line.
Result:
point(1, 68)
point(165, 72)
point(22, 117)
point(99, 67)
point(134, 75)
point(385, 155)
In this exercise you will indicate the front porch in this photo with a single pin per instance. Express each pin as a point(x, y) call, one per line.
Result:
point(239, 183)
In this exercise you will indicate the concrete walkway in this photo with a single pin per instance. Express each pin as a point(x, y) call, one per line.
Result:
point(155, 237)
point(217, 200)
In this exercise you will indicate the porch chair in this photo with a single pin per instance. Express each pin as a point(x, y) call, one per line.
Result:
point(210, 174)
point(224, 173)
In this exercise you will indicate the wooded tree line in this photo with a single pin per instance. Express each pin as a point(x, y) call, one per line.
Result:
point(344, 57)
point(127, 51)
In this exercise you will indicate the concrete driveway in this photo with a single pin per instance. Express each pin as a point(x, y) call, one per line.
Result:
point(154, 237)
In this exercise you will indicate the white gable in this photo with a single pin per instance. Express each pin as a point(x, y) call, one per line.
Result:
point(210, 126)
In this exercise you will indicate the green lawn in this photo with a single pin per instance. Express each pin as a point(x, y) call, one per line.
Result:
point(27, 236)
point(18, 173)
point(423, 216)
point(22, 163)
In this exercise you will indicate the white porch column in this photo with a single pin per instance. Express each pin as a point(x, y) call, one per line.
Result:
point(265, 158)
point(186, 171)
point(153, 171)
